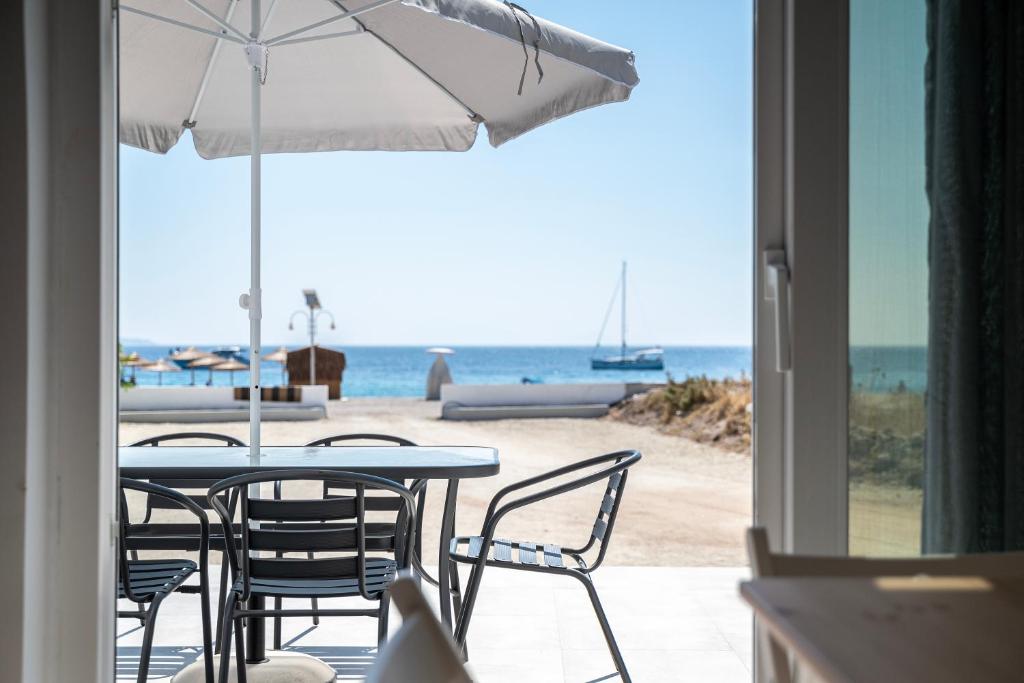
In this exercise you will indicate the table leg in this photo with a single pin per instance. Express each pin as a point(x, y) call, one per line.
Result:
point(447, 531)
point(256, 634)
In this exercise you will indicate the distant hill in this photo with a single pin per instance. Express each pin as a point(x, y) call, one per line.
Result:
point(136, 341)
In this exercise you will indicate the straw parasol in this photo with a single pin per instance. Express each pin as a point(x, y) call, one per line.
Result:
point(189, 354)
point(160, 367)
point(230, 366)
point(279, 356)
point(207, 361)
point(132, 360)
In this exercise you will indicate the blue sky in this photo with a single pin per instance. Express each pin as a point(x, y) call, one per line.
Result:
point(519, 245)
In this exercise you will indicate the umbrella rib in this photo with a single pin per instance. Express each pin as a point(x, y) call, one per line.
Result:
point(191, 120)
point(217, 20)
point(345, 15)
point(266, 19)
point(167, 20)
point(324, 36)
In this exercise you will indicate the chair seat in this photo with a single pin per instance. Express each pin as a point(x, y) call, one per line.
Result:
point(149, 578)
point(514, 554)
point(380, 572)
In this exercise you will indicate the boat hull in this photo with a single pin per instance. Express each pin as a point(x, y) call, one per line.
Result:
point(627, 364)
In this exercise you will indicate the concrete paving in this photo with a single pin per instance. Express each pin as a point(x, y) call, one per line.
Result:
point(673, 624)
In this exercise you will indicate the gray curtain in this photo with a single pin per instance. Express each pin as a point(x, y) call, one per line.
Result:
point(974, 452)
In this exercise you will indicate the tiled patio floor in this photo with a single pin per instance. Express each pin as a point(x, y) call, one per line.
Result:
point(672, 623)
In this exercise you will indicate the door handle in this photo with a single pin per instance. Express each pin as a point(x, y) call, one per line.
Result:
point(776, 290)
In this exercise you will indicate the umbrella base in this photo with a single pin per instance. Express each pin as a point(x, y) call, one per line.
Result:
point(279, 667)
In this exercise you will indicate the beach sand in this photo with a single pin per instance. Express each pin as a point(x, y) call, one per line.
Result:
point(686, 504)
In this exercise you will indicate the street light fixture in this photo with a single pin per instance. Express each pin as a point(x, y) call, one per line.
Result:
point(315, 311)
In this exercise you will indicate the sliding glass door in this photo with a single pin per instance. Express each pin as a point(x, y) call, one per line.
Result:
point(888, 275)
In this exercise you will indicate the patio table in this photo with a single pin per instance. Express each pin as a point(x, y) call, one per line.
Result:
point(450, 463)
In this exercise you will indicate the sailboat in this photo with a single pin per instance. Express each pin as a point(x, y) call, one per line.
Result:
point(645, 359)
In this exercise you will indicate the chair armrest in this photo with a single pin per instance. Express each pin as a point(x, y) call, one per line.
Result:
point(180, 499)
point(494, 513)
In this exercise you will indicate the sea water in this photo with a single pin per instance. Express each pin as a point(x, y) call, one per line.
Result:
point(402, 370)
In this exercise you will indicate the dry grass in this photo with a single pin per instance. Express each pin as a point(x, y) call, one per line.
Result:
point(705, 410)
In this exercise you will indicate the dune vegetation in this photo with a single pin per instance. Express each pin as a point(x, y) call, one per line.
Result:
point(706, 410)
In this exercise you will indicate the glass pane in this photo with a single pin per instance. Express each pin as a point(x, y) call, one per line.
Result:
point(888, 293)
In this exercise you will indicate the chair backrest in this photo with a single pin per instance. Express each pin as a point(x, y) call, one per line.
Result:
point(615, 476)
point(174, 499)
point(422, 650)
point(765, 563)
point(199, 485)
point(337, 525)
point(342, 440)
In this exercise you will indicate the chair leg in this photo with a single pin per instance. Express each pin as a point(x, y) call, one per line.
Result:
point(466, 613)
point(240, 652)
point(221, 596)
point(382, 620)
point(225, 637)
point(609, 637)
point(147, 639)
point(134, 554)
point(316, 617)
point(277, 625)
point(204, 596)
point(453, 583)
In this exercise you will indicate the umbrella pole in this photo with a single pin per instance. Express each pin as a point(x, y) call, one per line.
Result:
point(255, 294)
point(256, 633)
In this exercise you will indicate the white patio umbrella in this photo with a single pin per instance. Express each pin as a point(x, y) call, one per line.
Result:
point(347, 75)
point(400, 75)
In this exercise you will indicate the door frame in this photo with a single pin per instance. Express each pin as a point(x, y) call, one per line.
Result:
point(801, 150)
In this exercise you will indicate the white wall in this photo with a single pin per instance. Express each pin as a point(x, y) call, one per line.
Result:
point(532, 394)
point(205, 398)
point(58, 267)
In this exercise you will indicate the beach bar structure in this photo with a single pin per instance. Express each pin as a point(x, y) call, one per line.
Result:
point(330, 367)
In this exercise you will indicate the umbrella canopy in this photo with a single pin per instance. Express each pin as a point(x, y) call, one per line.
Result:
point(133, 360)
point(279, 356)
point(191, 353)
point(230, 366)
point(162, 365)
point(354, 75)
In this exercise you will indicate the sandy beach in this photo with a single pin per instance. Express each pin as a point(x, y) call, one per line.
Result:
point(686, 504)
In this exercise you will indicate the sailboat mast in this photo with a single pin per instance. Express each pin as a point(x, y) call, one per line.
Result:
point(623, 309)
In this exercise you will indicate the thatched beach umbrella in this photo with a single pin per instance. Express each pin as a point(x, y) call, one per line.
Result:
point(279, 356)
point(207, 361)
point(160, 367)
point(230, 366)
point(133, 360)
point(189, 354)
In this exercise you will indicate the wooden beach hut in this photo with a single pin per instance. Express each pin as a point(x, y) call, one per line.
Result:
point(330, 366)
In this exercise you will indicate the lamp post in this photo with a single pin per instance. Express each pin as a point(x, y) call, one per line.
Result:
point(315, 311)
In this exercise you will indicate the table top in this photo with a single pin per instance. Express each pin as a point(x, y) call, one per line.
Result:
point(398, 462)
point(905, 629)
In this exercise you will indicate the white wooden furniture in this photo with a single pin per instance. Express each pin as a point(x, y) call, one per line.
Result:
point(422, 650)
point(934, 619)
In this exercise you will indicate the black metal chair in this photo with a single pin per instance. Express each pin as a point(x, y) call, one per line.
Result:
point(150, 581)
point(487, 551)
point(333, 490)
point(147, 535)
point(337, 525)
